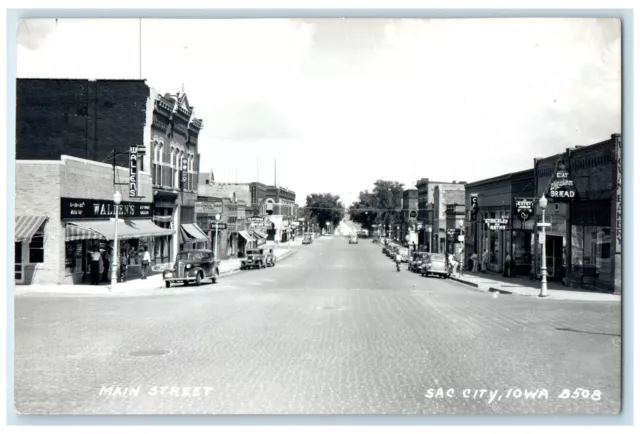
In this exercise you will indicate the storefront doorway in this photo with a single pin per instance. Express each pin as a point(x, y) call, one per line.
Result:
point(555, 257)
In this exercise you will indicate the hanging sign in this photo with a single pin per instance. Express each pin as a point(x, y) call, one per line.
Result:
point(473, 214)
point(497, 224)
point(524, 208)
point(133, 171)
point(185, 171)
point(562, 188)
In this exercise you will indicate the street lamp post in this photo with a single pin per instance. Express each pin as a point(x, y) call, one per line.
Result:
point(117, 198)
point(461, 239)
point(543, 266)
point(430, 240)
point(215, 248)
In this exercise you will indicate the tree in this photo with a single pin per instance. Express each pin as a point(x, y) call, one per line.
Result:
point(325, 207)
point(381, 206)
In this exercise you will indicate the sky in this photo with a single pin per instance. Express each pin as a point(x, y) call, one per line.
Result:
point(340, 103)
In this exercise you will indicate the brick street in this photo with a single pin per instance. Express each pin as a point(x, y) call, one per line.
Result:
point(333, 329)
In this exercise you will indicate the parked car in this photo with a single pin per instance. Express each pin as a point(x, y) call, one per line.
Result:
point(404, 253)
point(192, 266)
point(436, 263)
point(307, 240)
point(353, 239)
point(417, 259)
point(255, 259)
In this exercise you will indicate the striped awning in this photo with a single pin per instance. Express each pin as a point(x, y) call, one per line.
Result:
point(194, 233)
point(246, 236)
point(260, 234)
point(127, 229)
point(27, 226)
point(77, 233)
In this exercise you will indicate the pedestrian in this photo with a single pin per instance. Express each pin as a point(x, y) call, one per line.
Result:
point(105, 265)
point(146, 260)
point(485, 259)
point(474, 260)
point(453, 264)
point(123, 265)
point(507, 266)
point(96, 260)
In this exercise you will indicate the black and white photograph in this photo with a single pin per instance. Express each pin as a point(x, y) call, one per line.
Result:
point(318, 216)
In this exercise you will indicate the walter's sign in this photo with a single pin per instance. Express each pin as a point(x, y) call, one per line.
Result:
point(133, 171)
point(497, 224)
point(524, 208)
point(92, 209)
point(562, 188)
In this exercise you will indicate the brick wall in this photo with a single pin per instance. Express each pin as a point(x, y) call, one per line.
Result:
point(81, 118)
point(38, 186)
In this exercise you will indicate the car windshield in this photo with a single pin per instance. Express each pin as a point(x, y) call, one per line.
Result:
point(190, 256)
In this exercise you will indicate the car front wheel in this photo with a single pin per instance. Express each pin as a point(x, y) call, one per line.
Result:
point(198, 279)
point(167, 284)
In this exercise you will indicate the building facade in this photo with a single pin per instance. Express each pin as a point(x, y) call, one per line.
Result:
point(426, 214)
point(583, 186)
point(65, 208)
point(409, 218)
point(443, 196)
point(175, 166)
point(500, 220)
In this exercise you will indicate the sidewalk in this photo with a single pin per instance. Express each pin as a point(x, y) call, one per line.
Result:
point(153, 284)
point(522, 285)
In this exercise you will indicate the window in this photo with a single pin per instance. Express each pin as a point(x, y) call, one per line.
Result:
point(591, 248)
point(36, 248)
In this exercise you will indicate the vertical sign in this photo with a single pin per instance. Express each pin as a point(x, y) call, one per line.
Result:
point(185, 172)
point(133, 171)
point(473, 214)
point(524, 208)
point(618, 194)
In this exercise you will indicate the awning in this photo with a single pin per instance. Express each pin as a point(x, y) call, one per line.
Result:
point(163, 218)
point(76, 233)
point(194, 233)
point(260, 234)
point(27, 226)
point(127, 229)
point(246, 236)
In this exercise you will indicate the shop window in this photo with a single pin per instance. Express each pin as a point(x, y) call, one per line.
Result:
point(36, 249)
point(591, 250)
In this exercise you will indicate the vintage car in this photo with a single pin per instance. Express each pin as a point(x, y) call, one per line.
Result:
point(307, 239)
point(353, 239)
point(256, 258)
point(436, 263)
point(417, 260)
point(192, 266)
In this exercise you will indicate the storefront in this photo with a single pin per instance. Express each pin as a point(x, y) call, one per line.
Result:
point(90, 223)
point(164, 215)
point(583, 243)
point(28, 246)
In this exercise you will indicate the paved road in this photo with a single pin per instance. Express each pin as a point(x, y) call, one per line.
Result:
point(334, 329)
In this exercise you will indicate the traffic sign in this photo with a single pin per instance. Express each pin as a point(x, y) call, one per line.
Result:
point(219, 225)
point(544, 224)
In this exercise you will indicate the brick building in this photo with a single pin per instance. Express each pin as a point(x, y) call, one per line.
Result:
point(443, 195)
point(426, 188)
point(584, 242)
point(65, 208)
point(174, 171)
point(89, 119)
point(100, 120)
point(498, 198)
point(409, 217)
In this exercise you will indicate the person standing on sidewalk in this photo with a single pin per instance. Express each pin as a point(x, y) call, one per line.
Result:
point(96, 259)
point(474, 259)
point(507, 266)
point(146, 260)
point(485, 259)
